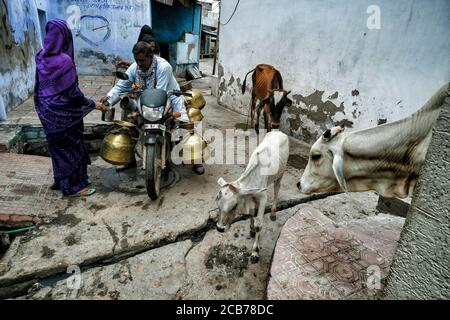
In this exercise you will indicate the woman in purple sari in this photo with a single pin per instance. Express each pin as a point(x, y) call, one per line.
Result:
point(61, 107)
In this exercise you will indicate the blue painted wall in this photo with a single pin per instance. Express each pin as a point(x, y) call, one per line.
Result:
point(104, 30)
point(170, 24)
point(20, 39)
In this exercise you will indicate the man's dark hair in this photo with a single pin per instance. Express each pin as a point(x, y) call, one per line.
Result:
point(142, 47)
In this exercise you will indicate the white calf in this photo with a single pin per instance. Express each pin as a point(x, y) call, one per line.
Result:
point(266, 167)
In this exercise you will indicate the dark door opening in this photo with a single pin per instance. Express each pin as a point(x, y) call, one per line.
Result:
point(164, 47)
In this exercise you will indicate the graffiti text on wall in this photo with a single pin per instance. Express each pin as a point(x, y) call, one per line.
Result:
point(103, 5)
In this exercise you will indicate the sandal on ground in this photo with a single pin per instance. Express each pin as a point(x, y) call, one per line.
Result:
point(83, 193)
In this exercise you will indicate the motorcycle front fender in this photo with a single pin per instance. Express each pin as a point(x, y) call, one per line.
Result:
point(153, 138)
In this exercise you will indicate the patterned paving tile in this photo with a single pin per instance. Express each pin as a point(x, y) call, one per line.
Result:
point(316, 259)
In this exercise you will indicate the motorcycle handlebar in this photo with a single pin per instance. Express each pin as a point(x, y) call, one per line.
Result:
point(116, 99)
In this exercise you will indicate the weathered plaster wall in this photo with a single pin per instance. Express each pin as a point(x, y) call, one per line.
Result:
point(340, 72)
point(104, 30)
point(421, 266)
point(19, 42)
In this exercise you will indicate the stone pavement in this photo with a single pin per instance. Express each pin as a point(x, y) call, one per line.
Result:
point(25, 195)
point(317, 259)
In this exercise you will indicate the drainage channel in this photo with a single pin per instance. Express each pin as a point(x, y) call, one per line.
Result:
point(21, 286)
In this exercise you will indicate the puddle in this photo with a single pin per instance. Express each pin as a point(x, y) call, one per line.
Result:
point(129, 181)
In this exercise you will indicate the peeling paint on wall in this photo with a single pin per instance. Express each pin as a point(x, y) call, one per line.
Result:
point(220, 71)
point(2, 110)
point(20, 17)
point(317, 109)
point(19, 43)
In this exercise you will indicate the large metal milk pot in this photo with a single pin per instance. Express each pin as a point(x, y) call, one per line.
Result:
point(194, 149)
point(118, 147)
point(195, 115)
point(197, 101)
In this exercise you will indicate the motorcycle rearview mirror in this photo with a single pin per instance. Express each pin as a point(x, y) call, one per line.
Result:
point(122, 75)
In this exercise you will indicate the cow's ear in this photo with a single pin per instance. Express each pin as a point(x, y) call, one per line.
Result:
point(338, 169)
point(222, 182)
point(247, 192)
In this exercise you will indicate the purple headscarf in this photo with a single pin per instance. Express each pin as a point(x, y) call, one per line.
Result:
point(55, 62)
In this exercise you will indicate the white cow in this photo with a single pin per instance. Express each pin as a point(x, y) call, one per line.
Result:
point(266, 167)
point(387, 158)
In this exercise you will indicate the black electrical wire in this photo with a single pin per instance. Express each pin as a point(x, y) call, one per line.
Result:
point(235, 8)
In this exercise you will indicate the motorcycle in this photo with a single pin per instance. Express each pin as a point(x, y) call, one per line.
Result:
point(155, 122)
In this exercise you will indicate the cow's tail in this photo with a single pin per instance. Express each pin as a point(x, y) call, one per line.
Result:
point(244, 86)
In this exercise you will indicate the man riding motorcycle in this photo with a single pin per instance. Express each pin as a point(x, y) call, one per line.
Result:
point(150, 71)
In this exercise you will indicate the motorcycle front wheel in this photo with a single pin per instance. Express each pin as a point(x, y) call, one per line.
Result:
point(153, 171)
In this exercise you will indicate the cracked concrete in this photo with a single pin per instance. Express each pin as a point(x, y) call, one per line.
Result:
point(158, 274)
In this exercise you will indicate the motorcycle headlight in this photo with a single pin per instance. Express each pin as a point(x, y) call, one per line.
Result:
point(152, 114)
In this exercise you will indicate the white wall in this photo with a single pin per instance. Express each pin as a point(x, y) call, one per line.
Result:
point(325, 45)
